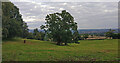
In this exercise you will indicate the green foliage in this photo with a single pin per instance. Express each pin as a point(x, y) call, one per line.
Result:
point(113, 35)
point(12, 22)
point(109, 33)
point(81, 37)
point(30, 36)
point(36, 35)
point(61, 27)
point(116, 36)
point(35, 31)
point(42, 34)
point(25, 30)
point(85, 36)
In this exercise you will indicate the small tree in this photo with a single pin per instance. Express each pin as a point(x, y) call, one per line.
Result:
point(61, 27)
point(110, 33)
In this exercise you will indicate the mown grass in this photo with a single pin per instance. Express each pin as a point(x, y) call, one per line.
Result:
point(35, 50)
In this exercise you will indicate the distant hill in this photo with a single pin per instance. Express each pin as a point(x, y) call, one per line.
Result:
point(88, 31)
point(92, 31)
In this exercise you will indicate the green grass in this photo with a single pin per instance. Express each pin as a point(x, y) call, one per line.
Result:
point(35, 50)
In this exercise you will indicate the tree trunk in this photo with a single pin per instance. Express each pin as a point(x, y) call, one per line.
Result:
point(59, 41)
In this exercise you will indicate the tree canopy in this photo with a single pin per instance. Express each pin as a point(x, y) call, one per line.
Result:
point(110, 33)
point(12, 22)
point(61, 27)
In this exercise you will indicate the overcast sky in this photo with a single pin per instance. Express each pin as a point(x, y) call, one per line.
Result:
point(88, 15)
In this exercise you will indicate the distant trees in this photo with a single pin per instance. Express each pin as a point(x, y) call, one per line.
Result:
point(80, 37)
point(113, 35)
point(36, 35)
point(12, 22)
point(61, 28)
point(35, 31)
point(110, 33)
point(30, 35)
point(116, 36)
point(85, 36)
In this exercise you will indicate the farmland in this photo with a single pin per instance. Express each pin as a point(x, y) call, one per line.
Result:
point(36, 50)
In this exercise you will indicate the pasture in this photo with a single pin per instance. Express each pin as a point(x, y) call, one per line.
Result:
point(36, 50)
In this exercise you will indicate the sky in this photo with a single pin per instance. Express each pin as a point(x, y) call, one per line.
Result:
point(88, 15)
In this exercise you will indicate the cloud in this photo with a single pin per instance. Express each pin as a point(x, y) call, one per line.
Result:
point(61, 9)
point(52, 7)
point(86, 14)
point(64, 3)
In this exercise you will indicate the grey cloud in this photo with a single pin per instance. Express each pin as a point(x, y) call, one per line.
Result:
point(86, 14)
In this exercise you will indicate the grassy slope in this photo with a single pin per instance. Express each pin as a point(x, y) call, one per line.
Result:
point(35, 50)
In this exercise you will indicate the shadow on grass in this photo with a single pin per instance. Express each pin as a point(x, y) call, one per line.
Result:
point(11, 39)
point(62, 44)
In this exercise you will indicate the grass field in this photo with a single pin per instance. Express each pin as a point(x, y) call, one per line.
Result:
point(35, 50)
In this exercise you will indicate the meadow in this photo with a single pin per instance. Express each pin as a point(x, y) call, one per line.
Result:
point(36, 50)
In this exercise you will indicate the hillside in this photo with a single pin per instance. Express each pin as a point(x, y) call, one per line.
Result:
point(35, 50)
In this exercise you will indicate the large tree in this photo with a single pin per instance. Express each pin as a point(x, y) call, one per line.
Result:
point(61, 27)
point(12, 22)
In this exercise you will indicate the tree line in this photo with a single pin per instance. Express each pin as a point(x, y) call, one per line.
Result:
point(38, 35)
